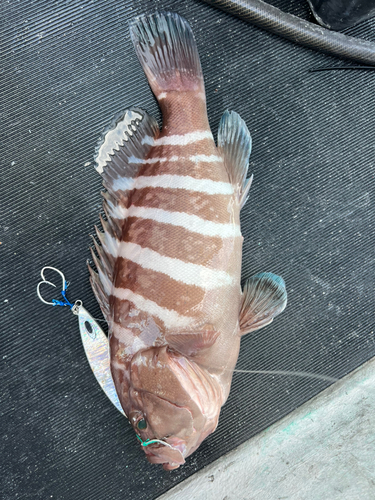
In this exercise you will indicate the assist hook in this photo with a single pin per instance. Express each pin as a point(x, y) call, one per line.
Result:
point(65, 302)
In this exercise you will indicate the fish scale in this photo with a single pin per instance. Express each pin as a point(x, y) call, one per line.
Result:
point(209, 207)
point(169, 263)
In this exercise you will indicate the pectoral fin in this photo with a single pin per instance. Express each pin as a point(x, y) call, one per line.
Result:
point(189, 343)
point(264, 297)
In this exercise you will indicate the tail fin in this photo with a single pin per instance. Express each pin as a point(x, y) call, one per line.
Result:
point(167, 51)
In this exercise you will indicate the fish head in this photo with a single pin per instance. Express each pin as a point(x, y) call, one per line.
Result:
point(174, 401)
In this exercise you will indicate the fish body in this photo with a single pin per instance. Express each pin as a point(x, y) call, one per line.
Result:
point(169, 264)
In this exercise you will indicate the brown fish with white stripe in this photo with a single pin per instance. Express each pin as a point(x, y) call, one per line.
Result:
point(169, 264)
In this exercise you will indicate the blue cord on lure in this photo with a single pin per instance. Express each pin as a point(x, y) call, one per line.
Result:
point(60, 302)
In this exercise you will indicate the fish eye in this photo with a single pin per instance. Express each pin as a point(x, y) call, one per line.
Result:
point(142, 424)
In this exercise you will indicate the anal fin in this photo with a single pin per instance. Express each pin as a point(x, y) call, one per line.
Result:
point(264, 297)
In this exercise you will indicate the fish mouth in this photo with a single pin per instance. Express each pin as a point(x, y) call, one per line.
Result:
point(170, 455)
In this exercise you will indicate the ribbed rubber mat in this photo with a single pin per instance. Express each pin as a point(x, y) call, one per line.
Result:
point(67, 68)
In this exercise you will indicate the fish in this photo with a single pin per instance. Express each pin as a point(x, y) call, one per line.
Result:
point(168, 260)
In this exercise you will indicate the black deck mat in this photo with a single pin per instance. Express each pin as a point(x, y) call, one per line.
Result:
point(66, 68)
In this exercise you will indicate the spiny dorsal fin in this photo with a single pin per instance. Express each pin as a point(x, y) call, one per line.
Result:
point(124, 146)
point(264, 297)
point(123, 149)
point(234, 143)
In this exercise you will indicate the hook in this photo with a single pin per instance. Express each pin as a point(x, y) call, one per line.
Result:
point(54, 302)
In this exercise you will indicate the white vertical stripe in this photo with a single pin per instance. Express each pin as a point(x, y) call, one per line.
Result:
point(178, 140)
point(187, 221)
point(168, 181)
point(147, 161)
point(162, 159)
point(117, 211)
point(126, 336)
point(123, 184)
point(185, 272)
point(170, 318)
point(110, 244)
point(205, 159)
point(107, 285)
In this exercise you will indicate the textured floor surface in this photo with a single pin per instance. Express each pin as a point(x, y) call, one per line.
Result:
point(323, 450)
point(67, 67)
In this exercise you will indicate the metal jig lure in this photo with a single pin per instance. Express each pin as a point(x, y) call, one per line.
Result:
point(93, 338)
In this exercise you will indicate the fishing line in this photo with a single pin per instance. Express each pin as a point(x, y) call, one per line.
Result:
point(284, 372)
point(151, 441)
point(102, 320)
point(334, 68)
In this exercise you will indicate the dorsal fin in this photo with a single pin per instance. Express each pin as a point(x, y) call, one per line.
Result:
point(234, 143)
point(124, 147)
